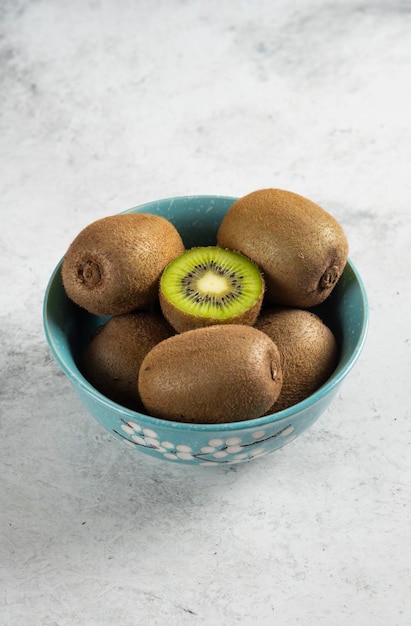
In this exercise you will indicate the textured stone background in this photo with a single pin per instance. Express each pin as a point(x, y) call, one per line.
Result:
point(105, 104)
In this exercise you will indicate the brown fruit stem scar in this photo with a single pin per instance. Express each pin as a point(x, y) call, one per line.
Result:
point(89, 273)
point(330, 277)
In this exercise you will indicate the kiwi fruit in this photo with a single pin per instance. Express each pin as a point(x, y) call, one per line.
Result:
point(301, 249)
point(209, 285)
point(215, 374)
point(114, 264)
point(308, 350)
point(112, 359)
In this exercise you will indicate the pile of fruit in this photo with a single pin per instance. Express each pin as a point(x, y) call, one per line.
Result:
point(216, 333)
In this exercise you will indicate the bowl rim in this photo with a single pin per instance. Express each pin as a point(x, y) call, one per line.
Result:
point(76, 378)
point(172, 199)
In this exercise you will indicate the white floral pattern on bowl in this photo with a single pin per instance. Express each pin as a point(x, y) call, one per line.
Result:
point(229, 450)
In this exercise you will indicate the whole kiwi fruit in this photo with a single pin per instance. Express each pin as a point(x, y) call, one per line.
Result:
point(308, 351)
point(215, 374)
point(114, 264)
point(301, 248)
point(209, 285)
point(111, 361)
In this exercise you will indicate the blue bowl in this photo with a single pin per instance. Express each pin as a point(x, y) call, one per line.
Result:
point(68, 329)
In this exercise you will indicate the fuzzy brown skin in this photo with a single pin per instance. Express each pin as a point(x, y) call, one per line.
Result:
point(308, 350)
point(223, 373)
point(301, 249)
point(114, 265)
point(112, 360)
point(182, 321)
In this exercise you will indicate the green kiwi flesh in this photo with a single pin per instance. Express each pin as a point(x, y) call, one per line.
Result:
point(308, 350)
point(221, 373)
point(114, 264)
point(112, 359)
point(301, 249)
point(210, 285)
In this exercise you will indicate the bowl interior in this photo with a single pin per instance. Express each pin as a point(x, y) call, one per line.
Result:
point(68, 328)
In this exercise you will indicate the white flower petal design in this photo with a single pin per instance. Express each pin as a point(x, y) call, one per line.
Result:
point(231, 450)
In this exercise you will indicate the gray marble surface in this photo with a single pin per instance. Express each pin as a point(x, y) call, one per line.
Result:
point(106, 104)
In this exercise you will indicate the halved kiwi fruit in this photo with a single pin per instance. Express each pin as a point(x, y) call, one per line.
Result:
point(210, 285)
